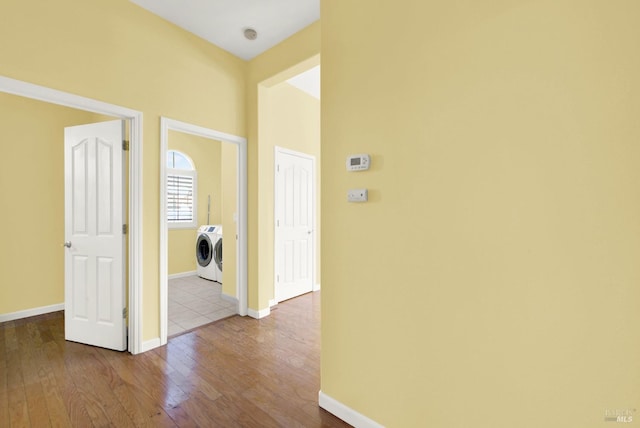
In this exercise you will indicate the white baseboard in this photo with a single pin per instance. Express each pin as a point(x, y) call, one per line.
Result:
point(316, 287)
point(258, 314)
point(182, 274)
point(230, 299)
point(150, 344)
point(272, 303)
point(31, 312)
point(345, 413)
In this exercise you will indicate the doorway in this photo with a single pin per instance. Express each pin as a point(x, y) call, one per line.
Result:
point(288, 118)
point(234, 233)
point(134, 277)
point(201, 207)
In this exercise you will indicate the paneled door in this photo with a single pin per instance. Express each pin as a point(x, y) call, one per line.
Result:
point(294, 228)
point(94, 235)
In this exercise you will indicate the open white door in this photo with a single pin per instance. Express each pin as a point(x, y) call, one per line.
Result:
point(94, 217)
point(294, 216)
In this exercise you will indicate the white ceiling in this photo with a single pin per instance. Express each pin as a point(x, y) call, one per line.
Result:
point(308, 81)
point(222, 22)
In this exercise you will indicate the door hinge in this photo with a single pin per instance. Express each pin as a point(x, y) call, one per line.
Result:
point(125, 229)
point(278, 168)
point(277, 278)
point(125, 145)
point(124, 312)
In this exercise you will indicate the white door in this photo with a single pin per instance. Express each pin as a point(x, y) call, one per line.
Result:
point(294, 218)
point(94, 215)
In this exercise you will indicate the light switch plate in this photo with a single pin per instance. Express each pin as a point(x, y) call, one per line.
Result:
point(357, 195)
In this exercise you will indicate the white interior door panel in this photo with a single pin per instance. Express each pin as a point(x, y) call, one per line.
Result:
point(95, 243)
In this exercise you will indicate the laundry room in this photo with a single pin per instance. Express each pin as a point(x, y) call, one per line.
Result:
point(213, 181)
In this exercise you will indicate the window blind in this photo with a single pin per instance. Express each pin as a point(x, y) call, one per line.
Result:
point(179, 198)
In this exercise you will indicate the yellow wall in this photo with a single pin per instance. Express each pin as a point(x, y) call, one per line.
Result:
point(294, 55)
point(229, 175)
point(206, 156)
point(492, 279)
point(32, 191)
point(289, 118)
point(114, 51)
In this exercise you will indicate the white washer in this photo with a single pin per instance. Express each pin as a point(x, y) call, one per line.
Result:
point(209, 251)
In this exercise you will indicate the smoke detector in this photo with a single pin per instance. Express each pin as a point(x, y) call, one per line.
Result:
point(250, 34)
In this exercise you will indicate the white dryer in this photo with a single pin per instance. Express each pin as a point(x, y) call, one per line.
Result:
point(217, 254)
point(209, 252)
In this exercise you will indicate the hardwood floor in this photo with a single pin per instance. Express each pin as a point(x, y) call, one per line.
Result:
point(237, 372)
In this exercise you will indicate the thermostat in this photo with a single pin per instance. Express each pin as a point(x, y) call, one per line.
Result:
point(358, 162)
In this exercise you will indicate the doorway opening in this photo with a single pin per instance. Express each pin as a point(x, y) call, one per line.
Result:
point(232, 218)
point(289, 119)
point(134, 188)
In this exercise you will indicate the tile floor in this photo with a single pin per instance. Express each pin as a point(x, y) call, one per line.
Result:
point(193, 302)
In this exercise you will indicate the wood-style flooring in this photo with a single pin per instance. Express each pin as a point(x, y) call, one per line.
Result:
point(237, 372)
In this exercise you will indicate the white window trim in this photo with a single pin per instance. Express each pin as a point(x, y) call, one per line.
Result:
point(193, 224)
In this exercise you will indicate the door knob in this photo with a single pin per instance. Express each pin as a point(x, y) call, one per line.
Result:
point(67, 244)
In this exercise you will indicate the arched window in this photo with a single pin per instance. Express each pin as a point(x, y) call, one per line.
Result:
point(181, 191)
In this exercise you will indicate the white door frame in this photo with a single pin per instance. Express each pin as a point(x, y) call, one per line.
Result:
point(167, 125)
point(314, 190)
point(52, 96)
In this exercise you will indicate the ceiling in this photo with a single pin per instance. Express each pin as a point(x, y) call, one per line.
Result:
point(222, 22)
point(308, 81)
